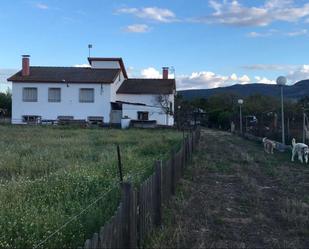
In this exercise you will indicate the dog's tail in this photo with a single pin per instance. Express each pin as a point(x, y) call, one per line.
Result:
point(264, 139)
point(293, 142)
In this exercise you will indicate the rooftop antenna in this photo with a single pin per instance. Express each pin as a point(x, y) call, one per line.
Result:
point(89, 47)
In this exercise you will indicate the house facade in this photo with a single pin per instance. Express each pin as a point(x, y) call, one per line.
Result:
point(102, 92)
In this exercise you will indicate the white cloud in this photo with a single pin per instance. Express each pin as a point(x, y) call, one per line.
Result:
point(298, 33)
point(137, 28)
point(270, 67)
point(261, 34)
point(244, 79)
point(130, 71)
point(264, 80)
point(208, 79)
point(295, 72)
point(205, 79)
point(151, 73)
point(232, 12)
point(42, 6)
point(4, 75)
point(300, 73)
point(233, 77)
point(256, 34)
point(151, 13)
point(82, 65)
point(272, 32)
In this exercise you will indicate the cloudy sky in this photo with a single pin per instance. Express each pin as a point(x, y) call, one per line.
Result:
point(208, 43)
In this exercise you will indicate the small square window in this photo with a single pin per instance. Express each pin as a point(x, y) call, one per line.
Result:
point(30, 94)
point(54, 94)
point(142, 115)
point(86, 95)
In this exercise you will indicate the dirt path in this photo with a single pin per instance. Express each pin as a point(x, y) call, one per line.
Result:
point(236, 196)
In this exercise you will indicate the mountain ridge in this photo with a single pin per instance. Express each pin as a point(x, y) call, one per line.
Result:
point(296, 91)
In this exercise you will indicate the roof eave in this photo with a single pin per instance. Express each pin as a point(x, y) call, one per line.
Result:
point(56, 81)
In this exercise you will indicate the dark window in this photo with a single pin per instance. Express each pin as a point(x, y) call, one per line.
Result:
point(30, 94)
point(142, 115)
point(31, 119)
point(86, 95)
point(54, 94)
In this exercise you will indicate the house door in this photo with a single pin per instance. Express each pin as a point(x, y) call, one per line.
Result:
point(116, 116)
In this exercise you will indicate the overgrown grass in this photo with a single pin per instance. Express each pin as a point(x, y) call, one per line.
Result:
point(49, 174)
point(234, 188)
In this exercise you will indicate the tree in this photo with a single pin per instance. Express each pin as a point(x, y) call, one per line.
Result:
point(165, 104)
point(6, 103)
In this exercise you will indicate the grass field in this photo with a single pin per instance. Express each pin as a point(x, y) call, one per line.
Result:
point(49, 174)
point(237, 196)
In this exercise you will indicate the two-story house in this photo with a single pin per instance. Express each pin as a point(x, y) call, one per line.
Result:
point(103, 91)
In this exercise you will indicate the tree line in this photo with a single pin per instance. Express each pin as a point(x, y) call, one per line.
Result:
point(222, 109)
point(6, 104)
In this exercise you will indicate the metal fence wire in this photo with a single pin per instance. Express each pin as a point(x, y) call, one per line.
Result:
point(140, 210)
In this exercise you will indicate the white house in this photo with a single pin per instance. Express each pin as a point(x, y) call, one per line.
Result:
point(101, 92)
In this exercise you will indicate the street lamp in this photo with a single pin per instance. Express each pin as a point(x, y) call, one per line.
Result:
point(240, 102)
point(281, 81)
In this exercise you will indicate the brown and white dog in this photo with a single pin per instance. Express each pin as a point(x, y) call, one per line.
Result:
point(269, 145)
point(301, 150)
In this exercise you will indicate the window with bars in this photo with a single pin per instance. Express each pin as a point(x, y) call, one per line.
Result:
point(86, 95)
point(30, 94)
point(54, 94)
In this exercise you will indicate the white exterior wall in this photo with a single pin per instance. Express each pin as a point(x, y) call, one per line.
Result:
point(105, 64)
point(147, 99)
point(111, 65)
point(114, 87)
point(69, 105)
point(154, 109)
point(155, 113)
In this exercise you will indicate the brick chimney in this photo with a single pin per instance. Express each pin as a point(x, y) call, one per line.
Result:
point(165, 73)
point(25, 65)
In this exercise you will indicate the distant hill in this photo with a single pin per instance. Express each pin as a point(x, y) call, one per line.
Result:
point(296, 91)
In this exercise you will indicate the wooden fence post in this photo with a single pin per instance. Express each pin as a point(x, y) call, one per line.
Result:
point(95, 241)
point(158, 199)
point(125, 198)
point(193, 139)
point(133, 219)
point(87, 244)
point(191, 147)
point(128, 216)
point(188, 148)
point(185, 151)
point(183, 157)
point(173, 182)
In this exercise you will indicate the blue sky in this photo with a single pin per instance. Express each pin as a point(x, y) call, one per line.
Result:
point(209, 43)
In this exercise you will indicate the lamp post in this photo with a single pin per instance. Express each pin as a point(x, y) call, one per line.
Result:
point(240, 102)
point(281, 81)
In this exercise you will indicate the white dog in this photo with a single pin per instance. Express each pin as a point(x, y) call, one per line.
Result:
point(301, 150)
point(269, 145)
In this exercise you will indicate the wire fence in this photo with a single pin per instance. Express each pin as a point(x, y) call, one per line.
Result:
point(145, 205)
point(269, 124)
point(41, 244)
point(77, 227)
point(140, 210)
